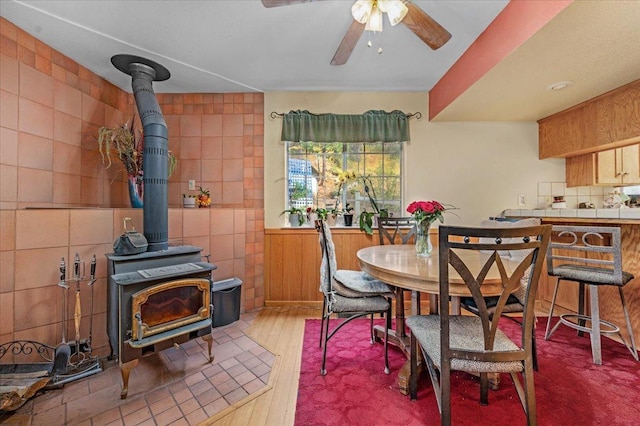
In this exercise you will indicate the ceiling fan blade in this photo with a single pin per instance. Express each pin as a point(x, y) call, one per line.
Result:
point(348, 43)
point(425, 27)
point(278, 3)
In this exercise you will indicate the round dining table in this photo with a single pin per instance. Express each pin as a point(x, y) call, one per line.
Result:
point(400, 267)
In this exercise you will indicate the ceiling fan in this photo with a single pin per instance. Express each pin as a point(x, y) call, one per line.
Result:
point(367, 14)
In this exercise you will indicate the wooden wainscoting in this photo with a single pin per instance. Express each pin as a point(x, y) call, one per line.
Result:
point(292, 262)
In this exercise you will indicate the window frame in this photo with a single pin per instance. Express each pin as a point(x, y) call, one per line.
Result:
point(360, 201)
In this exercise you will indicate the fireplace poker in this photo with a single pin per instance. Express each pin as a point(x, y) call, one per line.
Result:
point(65, 287)
point(92, 280)
point(77, 316)
point(63, 350)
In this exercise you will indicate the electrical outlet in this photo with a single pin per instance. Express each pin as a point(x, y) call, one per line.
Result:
point(522, 200)
point(192, 185)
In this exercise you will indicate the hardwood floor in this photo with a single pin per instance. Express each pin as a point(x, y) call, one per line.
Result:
point(279, 330)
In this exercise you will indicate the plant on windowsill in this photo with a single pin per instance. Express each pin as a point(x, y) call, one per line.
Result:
point(345, 177)
point(332, 216)
point(296, 216)
point(348, 215)
point(322, 213)
point(365, 220)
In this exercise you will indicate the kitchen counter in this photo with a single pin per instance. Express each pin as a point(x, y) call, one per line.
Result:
point(631, 215)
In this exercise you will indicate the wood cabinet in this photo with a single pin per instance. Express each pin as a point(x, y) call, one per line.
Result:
point(613, 167)
point(571, 131)
point(611, 120)
point(619, 115)
point(620, 166)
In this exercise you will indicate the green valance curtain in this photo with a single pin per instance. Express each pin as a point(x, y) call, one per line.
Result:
point(372, 126)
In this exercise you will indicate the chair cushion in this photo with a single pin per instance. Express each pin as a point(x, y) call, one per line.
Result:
point(360, 282)
point(512, 305)
point(589, 274)
point(514, 254)
point(340, 304)
point(465, 333)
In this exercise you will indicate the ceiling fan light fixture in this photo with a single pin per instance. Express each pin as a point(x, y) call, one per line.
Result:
point(375, 20)
point(361, 10)
point(396, 10)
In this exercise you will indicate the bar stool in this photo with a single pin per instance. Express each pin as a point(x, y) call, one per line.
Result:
point(592, 257)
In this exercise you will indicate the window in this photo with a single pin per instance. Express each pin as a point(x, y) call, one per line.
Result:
point(313, 169)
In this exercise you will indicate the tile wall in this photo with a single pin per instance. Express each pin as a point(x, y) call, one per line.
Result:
point(572, 196)
point(218, 139)
point(33, 242)
point(50, 111)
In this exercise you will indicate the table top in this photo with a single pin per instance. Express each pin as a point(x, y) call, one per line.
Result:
point(399, 265)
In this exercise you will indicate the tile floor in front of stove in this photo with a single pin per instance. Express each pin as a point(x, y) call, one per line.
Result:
point(176, 386)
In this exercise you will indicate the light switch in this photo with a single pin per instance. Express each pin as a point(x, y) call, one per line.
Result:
point(192, 185)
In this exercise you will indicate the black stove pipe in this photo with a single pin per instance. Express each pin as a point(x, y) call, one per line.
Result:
point(156, 147)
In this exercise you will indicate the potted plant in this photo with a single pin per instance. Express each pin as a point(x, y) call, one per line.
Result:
point(204, 197)
point(322, 213)
point(128, 144)
point(311, 215)
point(332, 216)
point(365, 221)
point(188, 201)
point(296, 216)
point(347, 215)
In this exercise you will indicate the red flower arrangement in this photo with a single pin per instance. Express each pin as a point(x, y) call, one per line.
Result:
point(428, 211)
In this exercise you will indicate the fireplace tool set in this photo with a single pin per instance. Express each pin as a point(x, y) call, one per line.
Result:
point(80, 361)
point(49, 367)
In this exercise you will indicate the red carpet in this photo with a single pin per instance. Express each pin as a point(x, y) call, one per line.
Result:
point(570, 390)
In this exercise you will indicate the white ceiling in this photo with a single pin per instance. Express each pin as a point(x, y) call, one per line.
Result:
point(240, 46)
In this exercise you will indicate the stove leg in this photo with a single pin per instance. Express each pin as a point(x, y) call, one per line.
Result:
point(209, 339)
point(125, 370)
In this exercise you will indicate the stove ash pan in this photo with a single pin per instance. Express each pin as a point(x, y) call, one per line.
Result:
point(157, 300)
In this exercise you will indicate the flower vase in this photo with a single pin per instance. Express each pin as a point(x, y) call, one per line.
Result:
point(136, 192)
point(423, 239)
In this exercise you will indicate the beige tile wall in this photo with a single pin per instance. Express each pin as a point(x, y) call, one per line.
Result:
point(34, 241)
point(50, 111)
point(572, 196)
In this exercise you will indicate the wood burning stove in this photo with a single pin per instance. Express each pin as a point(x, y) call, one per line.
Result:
point(156, 300)
point(162, 297)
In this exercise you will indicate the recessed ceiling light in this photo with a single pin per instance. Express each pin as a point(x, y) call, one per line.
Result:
point(560, 85)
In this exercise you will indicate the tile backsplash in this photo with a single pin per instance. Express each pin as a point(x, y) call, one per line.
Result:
point(572, 196)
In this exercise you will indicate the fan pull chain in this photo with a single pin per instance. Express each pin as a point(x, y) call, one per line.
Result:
point(370, 44)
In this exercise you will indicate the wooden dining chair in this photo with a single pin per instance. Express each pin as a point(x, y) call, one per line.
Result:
point(476, 343)
point(350, 294)
point(398, 230)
